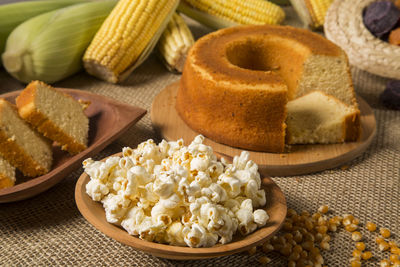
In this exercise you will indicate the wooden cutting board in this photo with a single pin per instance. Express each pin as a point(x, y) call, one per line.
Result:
point(301, 159)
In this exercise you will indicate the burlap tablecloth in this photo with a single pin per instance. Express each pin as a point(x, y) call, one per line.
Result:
point(49, 230)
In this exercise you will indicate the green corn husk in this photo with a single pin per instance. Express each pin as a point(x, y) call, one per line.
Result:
point(49, 47)
point(11, 15)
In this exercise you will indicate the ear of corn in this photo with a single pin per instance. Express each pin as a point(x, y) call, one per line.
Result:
point(127, 37)
point(312, 12)
point(175, 43)
point(220, 14)
point(49, 47)
point(318, 9)
point(11, 15)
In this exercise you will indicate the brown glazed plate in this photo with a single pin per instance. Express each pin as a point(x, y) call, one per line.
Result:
point(108, 119)
point(94, 213)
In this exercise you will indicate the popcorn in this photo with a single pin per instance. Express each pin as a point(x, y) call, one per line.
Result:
point(179, 195)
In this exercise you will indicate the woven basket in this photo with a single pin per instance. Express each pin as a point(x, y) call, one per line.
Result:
point(344, 26)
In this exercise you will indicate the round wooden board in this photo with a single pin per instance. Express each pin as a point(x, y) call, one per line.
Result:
point(302, 159)
point(94, 214)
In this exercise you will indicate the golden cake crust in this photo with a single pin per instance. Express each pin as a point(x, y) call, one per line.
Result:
point(28, 111)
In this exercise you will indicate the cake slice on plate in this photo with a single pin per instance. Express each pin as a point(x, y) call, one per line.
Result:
point(7, 174)
point(56, 115)
point(319, 118)
point(20, 145)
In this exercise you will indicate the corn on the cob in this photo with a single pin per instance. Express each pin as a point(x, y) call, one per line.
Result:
point(175, 43)
point(220, 14)
point(127, 37)
point(312, 12)
point(49, 47)
point(318, 10)
point(11, 15)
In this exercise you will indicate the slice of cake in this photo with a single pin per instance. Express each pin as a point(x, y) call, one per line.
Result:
point(7, 174)
point(20, 145)
point(320, 118)
point(56, 115)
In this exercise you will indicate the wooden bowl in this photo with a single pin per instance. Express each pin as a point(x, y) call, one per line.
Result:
point(94, 214)
point(108, 119)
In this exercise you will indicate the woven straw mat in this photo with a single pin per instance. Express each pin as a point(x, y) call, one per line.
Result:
point(49, 230)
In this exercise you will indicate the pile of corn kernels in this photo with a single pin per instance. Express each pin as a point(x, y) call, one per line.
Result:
point(304, 236)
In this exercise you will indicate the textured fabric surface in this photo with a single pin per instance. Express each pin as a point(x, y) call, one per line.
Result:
point(49, 230)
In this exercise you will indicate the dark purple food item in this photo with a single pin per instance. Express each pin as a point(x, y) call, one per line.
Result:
point(381, 17)
point(390, 97)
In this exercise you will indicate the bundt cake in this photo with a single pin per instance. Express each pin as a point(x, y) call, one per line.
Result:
point(21, 146)
point(56, 115)
point(320, 118)
point(237, 81)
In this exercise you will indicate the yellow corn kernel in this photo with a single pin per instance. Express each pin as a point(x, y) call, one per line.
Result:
point(392, 244)
point(126, 37)
point(355, 221)
point(346, 221)
point(291, 213)
point(393, 258)
point(366, 255)
point(357, 253)
point(351, 227)
point(383, 246)
point(322, 229)
point(384, 232)
point(395, 250)
point(370, 226)
point(316, 216)
point(295, 256)
point(264, 260)
point(360, 246)
point(323, 209)
point(252, 251)
point(297, 248)
point(356, 236)
point(355, 263)
point(267, 247)
point(384, 263)
point(379, 240)
point(324, 245)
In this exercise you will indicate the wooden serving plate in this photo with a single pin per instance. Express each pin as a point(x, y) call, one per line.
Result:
point(94, 214)
point(301, 159)
point(108, 119)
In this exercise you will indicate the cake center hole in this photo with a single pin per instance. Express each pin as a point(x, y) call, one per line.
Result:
point(251, 55)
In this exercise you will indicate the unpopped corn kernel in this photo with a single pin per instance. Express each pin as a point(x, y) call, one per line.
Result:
point(366, 255)
point(264, 260)
point(252, 251)
point(384, 263)
point(323, 209)
point(370, 226)
point(357, 253)
point(383, 246)
point(384, 232)
point(351, 227)
point(356, 236)
point(360, 246)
